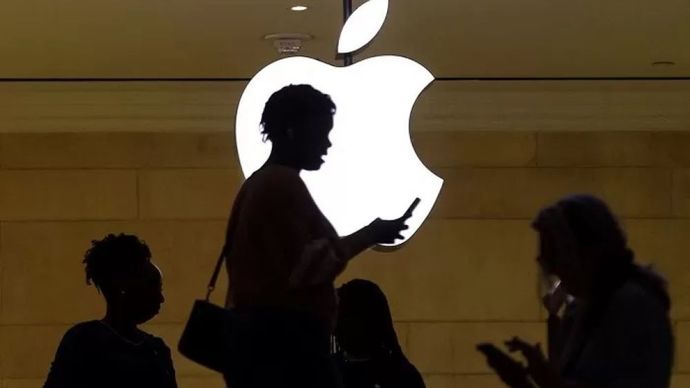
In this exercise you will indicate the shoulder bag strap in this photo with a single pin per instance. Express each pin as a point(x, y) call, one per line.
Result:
point(232, 224)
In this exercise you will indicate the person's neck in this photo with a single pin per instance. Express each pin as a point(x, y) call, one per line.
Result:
point(283, 159)
point(123, 327)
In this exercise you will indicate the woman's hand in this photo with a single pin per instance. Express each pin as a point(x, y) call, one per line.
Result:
point(377, 232)
point(555, 299)
point(511, 372)
point(538, 366)
point(387, 231)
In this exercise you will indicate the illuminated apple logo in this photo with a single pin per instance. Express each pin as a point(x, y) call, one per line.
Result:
point(372, 169)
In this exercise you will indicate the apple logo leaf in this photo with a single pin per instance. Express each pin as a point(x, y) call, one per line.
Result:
point(362, 26)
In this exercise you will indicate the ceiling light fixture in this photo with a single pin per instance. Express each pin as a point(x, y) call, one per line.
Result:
point(299, 8)
point(288, 43)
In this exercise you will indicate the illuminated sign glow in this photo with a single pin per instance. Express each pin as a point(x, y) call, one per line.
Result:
point(372, 169)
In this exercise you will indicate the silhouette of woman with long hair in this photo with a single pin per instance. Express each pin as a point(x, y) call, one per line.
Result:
point(283, 254)
point(368, 351)
point(615, 329)
point(113, 352)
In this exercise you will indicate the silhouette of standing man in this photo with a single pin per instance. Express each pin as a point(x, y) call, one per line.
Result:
point(283, 255)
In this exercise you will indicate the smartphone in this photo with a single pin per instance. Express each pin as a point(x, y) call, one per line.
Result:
point(556, 287)
point(408, 212)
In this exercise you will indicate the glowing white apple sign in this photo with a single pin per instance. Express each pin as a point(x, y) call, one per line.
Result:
point(372, 169)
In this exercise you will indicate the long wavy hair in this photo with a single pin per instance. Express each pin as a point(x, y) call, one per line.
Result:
point(363, 301)
point(593, 225)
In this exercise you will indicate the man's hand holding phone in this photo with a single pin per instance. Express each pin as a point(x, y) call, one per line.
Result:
point(387, 231)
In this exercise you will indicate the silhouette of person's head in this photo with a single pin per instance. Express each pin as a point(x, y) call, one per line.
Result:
point(365, 326)
point(297, 120)
point(582, 243)
point(121, 269)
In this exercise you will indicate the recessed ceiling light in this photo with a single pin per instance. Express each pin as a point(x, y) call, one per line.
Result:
point(299, 8)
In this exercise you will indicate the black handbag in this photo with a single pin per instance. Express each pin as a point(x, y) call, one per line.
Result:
point(214, 333)
point(208, 336)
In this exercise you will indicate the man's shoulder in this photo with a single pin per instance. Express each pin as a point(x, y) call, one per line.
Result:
point(275, 180)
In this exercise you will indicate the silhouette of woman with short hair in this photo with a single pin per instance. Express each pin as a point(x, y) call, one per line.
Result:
point(615, 330)
point(283, 254)
point(369, 354)
point(113, 352)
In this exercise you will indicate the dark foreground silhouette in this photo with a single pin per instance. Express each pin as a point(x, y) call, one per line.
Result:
point(368, 351)
point(283, 255)
point(614, 330)
point(113, 352)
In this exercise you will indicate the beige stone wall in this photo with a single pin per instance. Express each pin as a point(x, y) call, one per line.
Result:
point(446, 106)
point(468, 275)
